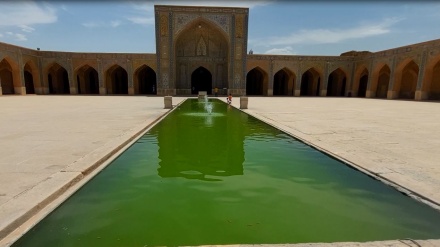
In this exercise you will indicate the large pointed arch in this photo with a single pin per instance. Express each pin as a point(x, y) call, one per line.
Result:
point(406, 77)
point(6, 78)
point(87, 80)
point(144, 80)
point(57, 79)
point(116, 80)
point(337, 83)
point(32, 78)
point(283, 82)
point(10, 77)
point(380, 79)
point(201, 43)
point(381, 85)
point(310, 82)
point(360, 81)
point(431, 82)
point(256, 82)
point(201, 80)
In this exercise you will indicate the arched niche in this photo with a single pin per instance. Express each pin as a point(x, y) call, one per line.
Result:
point(201, 80)
point(337, 82)
point(283, 82)
point(144, 80)
point(117, 80)
point(57, 79)
point(310, 83)
point(201, 44)
point(256, 82)
point(87, 80)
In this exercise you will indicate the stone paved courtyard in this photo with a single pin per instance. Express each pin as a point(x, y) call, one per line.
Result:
point(49, 143)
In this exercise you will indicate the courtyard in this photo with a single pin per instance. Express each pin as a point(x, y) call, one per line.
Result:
point(51, 144)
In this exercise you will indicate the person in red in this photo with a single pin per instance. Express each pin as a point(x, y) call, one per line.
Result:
point(229, 99)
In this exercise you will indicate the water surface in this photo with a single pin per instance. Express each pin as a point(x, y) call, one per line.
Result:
point(227, 178)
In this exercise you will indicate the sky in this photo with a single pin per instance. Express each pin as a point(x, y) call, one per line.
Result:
point(275, 27)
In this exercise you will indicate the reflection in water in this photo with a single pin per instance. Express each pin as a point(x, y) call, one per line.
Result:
point(196, 144)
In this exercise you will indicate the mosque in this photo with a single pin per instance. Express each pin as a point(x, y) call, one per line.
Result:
point(203, 48)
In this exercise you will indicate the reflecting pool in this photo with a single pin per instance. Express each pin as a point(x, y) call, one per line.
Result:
point(224, 177)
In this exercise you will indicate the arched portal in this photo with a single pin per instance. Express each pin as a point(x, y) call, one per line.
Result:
point(255, 82)
point(201, 44)
point(283, 82)
point(337, 81)
point(363, 83)
point(58, 80)
point(28, 79)
point(431, 84)
point(6, 78)
point(201, 80)
point(145, 81)
point(434, 90)
point(310, 83)
point(409, 81)
point(87, 80)
point(117, 80)
point(383, 82)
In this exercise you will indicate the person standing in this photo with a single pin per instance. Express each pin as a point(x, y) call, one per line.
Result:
point(229, 99)
point(215, 91)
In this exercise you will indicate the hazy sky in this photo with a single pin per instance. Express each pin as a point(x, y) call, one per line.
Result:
point(275, 27)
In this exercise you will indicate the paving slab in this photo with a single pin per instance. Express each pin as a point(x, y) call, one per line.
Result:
point(49, 143)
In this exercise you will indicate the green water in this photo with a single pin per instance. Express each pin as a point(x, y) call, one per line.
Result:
point(227, 178)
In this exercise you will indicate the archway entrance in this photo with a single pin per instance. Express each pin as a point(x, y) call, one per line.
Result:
point(58, 80)
point(28, 80)
point(255, 82)
point(310, 83)
point(117, 80)
point(336, 83)
point(87, 80)
point(201, 80)
point(281, 83)
point(6, 78)
point(145, 81)
point(383, 81)
point(202, 45)
point(409, 81)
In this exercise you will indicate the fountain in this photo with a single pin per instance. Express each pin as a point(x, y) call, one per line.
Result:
point(208, 105)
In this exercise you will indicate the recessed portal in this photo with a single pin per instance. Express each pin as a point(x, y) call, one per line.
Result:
point(255, 82)
point(201, 80)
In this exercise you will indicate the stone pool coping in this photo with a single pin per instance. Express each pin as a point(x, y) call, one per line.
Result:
point(52, 180)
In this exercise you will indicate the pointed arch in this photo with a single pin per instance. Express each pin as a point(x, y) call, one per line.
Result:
point(381, 84)
point(406, 76)
point(310, 82)
point(256, 82)
point(28, 79)
point(337, 82)
point(10, 76)
point(87, 80)
point(360, 81)
point(144, 81)
point(32, 68)
point(283, 82)
point(380, 79)
point(6, 77)
point(431, 83)
point(116, 80)
point(201, 80)
point(200, 42)
point(58, 79)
